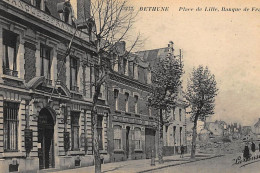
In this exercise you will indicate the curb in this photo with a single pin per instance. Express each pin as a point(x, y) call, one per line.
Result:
point(177, 164)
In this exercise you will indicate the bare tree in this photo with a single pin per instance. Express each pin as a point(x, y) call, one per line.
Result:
point(201, 93)
point(166, 79)
point(109, 24)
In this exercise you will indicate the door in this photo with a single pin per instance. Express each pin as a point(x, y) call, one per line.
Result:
point(127, 142)
point(45, 140)
point(149, 142)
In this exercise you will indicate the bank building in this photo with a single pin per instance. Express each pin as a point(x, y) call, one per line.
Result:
point(45, 118)
point(46, 96)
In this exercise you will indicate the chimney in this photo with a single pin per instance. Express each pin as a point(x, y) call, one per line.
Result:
point(83, 10)
point(170, 47)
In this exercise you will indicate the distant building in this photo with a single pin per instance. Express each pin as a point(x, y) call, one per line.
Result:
point(257, 129)
point(174, 132)
point(247, 133)
point(133, 133)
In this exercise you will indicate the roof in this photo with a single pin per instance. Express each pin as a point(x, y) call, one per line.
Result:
point(257, 124)
point(152, 56)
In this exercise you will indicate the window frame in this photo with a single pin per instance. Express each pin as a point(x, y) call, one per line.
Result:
point(136, 97)
point(10, 41)
point(180, 114)
point(47, 56)
point(138, 138)
point(13, 109)
point(100, 131)
point(117, 145)
point(74, 66)
point(75, 116)
point(127, 101)
point(116, 98)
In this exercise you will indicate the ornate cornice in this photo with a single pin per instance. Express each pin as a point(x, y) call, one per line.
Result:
point(130, 82)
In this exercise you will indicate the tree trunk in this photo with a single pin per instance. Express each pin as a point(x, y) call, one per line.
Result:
point(194, 136)
point(95, 138)
point(160, 146)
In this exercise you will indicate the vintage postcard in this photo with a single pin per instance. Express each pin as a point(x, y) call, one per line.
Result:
point(132, 86)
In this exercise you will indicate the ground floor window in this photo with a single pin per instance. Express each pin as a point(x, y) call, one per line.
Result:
point(75, 130)
point(117, 137)
point(10, 126)
point(99, 131)
point(137, 138)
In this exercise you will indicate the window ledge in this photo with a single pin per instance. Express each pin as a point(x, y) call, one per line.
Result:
point(4, 76)
point(76, 152)
point(128, 113)
point(138, 150)
point(13, 154)
point(103, 152)
point(117, 111)
point(118, 150)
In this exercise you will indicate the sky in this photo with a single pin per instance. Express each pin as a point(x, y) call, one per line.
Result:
point(225, 41)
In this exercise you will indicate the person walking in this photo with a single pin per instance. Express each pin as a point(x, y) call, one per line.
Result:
point(182, 151)
point(253, 149)
point(246, 153)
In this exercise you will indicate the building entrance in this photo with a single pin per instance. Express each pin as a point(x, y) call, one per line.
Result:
point(45, 139)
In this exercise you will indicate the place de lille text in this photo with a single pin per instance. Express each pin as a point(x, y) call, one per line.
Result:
point(217, 9)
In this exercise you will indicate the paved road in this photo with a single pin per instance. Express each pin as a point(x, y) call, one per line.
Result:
point(216, 165)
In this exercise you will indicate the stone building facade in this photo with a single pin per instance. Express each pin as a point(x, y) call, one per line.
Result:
point(45, 118)
point(174, 131)
point(133, 132)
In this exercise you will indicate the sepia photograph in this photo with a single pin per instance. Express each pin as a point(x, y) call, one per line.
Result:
point(129, 86)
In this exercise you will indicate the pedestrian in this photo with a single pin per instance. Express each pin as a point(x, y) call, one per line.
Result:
point(253, 149)
point(182, 151)
point(246, 153)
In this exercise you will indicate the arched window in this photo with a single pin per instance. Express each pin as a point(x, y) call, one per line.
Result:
point(117, 137)
point(137, 138)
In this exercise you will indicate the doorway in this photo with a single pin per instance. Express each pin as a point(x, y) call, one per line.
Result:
point(45, 139)
point(149, 142)
point(127, 141)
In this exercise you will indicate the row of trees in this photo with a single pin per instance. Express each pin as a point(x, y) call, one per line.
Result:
point(111, 23)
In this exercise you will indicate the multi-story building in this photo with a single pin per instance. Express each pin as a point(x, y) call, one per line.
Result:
point(133, 133)
point(174, 132)
point(45, 118)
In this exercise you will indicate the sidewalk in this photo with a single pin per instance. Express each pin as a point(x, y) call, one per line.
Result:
point(139, 166)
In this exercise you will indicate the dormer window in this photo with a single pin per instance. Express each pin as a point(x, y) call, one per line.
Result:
point(125, 67)
point(40, 4)
point(135, 71)
point(66, 11)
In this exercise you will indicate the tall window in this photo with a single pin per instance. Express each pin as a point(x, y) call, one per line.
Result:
point(45, 53)
point(127, 102)
point(37, 3)
point(166, 136)
point(10, 53)
point(73, 74)
point(136, 104)
point(125, 66)
point(75, 130)
point(117, 137)
point(137, 138)
point(116, 92)
point(180, 114)
point(99, 131)
point(173, 113)
point(180, 136)
point(10, 126)
point(174, 134)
